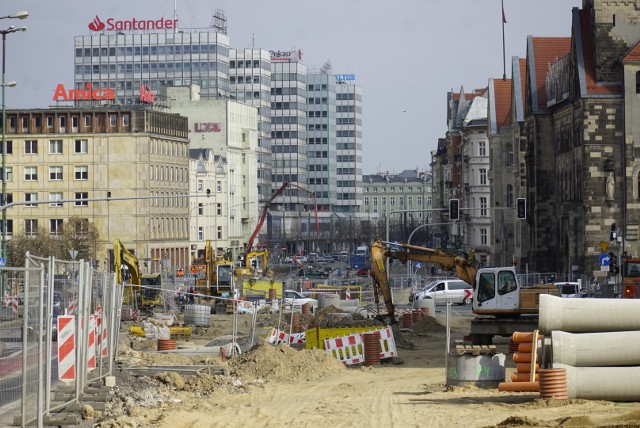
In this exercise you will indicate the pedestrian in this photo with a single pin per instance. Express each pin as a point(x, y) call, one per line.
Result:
point(191, 295)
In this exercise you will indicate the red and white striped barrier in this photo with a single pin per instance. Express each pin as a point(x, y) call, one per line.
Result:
point(73, 302)
point(387, 344)
point(66, 348)
point(91, 344)
point(348, 349)
point(278, 336)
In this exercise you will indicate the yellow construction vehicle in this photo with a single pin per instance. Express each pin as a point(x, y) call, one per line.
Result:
point(217, 278)
point(254, 262)
point(143, 289)
point(501, 304)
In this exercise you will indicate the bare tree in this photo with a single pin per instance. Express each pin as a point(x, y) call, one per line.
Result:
point(81, 235)
point(40, 244)
point(78, 234)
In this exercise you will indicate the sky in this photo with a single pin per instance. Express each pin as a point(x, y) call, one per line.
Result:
point(406, 55)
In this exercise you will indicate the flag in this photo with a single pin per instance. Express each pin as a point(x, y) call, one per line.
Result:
point(504, 18)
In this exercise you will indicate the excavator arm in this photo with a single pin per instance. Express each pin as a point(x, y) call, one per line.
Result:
point(466, 268)
point(122, 256)
point(265, 210)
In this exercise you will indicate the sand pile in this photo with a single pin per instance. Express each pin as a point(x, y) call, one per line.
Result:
point(284, 364)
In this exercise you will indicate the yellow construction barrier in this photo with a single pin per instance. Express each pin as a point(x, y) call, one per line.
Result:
point(175, 331)
point(315, 336)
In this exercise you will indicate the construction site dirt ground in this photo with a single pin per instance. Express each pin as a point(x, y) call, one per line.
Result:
point(273, 386)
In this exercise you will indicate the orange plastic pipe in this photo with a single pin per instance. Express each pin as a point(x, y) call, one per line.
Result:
point(523, 377)
point(525, 347)
point(521, 357)
point(522, 337)
point(525, 367)
point(519, 386)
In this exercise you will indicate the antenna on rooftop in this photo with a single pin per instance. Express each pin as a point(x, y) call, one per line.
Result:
point(219, 22)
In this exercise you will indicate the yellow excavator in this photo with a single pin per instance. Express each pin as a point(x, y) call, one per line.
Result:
point(217, 279)
point(144, 289)
point(254, 262)
point(502, 306)
point(466, 268)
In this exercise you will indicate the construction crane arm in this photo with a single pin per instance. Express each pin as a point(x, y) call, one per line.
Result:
point(265, 210)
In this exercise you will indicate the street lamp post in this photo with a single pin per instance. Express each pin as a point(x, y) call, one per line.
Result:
point(18, 15)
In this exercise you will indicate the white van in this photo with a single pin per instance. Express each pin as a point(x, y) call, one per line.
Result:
point(453, 290)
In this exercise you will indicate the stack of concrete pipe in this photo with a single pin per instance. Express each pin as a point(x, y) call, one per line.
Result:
point(597, 341)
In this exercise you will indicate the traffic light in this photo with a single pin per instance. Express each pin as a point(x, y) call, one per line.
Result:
point(613, 265)
point(521, 208)
point(454, 209)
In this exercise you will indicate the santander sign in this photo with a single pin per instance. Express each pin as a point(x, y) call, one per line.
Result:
point(132, 24)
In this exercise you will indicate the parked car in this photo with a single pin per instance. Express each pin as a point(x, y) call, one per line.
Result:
point(309, 272)
point(453, 290)
point(365, 271)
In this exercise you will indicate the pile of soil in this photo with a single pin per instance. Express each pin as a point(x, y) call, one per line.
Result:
point(282, 363)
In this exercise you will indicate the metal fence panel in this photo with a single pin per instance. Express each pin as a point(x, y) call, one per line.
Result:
point(36, 296)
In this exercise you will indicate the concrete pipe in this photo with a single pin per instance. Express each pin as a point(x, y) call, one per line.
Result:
point(603, 383)
point(620, 348)
point(588, 315)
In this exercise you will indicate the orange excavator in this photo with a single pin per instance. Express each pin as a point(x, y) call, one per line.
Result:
point(265, 210)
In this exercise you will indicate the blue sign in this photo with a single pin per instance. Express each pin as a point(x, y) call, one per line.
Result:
point(418, 265)
point(605, 259)
point(2, 261)
point(345, 76)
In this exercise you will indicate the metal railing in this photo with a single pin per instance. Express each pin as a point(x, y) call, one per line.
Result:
point(31, 345)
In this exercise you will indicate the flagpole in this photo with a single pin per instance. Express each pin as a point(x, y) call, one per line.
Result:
point(504, 61)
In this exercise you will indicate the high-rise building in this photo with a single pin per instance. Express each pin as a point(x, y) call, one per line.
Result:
point(348, 172)
point(250, 83)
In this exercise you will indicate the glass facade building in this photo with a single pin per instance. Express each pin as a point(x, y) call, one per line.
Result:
point(126, 62)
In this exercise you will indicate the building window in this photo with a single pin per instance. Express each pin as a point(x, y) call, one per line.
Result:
point(483, 236)
point(366, 201)
point(200, 185)
point(508, 155)
point(55, 173)
point(509, 195)
point(200, 208)
point(9, 227)
point(483, 176)
point(218, 186)
point(81, 146)
point(30, 197)
point(8, 147)
point(31, 147)
point(200, 233)
point(87, 121)
point(219, 234)
point(55, 196)
point(30, 173)
point(80, 199)
point(81, 172)
point(218, 209)
point(56, 226)
point(125, 120)
point(9, 175)
point(49, 121)
point(113, 120)
point(483, 206)
point(482, 148)
point(638, 82)
point(30, 227)
point(55, 147)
